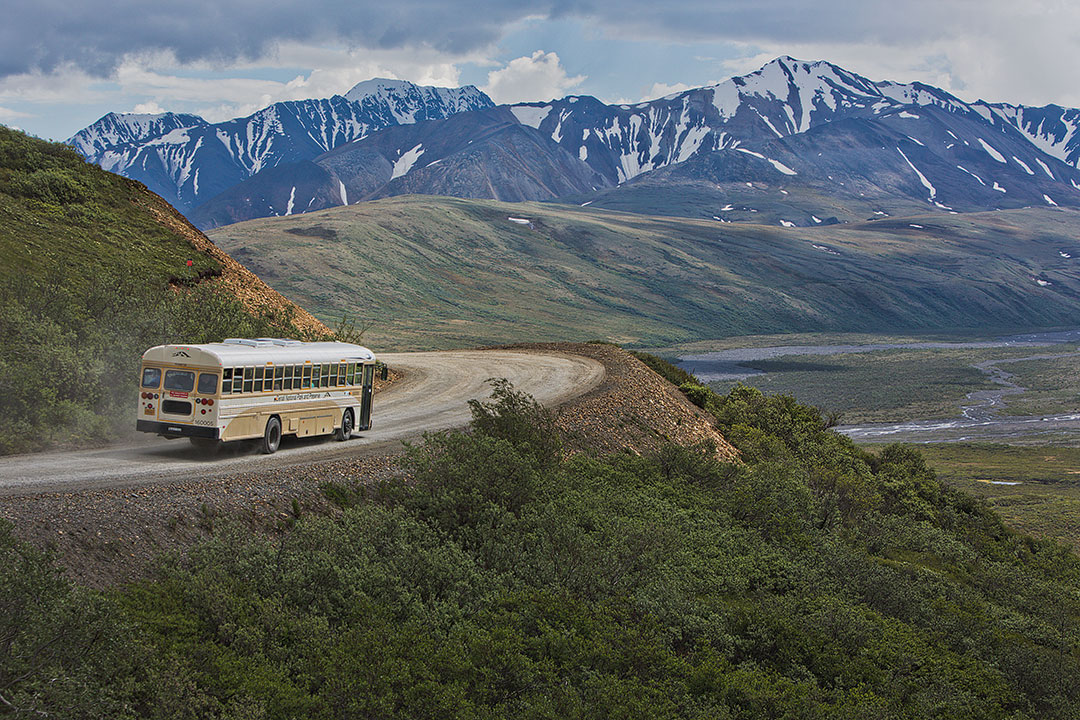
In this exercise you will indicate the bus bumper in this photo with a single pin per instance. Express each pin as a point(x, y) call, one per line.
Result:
point(176, 430)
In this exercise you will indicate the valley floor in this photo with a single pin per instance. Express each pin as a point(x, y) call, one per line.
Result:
point(996, 417)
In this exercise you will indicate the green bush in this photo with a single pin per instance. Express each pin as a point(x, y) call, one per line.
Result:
point(502, 579)
point(670, 372)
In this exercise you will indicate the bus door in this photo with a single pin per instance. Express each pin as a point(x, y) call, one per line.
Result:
point(364, 421)
point(177, 396)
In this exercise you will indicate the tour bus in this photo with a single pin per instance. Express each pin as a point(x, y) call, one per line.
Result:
point(242, 389)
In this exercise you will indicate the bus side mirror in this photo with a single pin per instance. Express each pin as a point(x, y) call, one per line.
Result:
point(384, 371)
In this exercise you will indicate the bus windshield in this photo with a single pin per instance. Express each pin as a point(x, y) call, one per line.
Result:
point(182, 380)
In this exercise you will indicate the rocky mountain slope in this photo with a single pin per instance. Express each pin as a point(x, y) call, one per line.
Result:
point(187, 160)
point(473, 154)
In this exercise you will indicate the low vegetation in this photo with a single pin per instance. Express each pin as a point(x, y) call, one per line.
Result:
point(504, 578)
point(88, 280)
point(1052, 386)
point(1035, 489)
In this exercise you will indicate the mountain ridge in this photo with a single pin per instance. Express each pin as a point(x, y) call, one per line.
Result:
point(171, 153)
point(959, 156)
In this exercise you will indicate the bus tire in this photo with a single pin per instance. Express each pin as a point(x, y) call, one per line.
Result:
point(271, 436)
point(345, 431)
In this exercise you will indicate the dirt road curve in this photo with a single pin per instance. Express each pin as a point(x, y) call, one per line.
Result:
point(432, 396)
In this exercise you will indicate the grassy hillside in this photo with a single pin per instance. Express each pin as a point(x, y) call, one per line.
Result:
point(504, 579)
point(93, 270)
point(439, 272)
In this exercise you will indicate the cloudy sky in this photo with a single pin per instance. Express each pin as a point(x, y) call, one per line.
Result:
point(65, 64)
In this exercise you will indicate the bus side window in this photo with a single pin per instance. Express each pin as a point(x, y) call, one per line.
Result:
point(286, 377)
point(341, 374)
point(257, 385)
point(350, 375)
point(238, 380)
point(316, 374)
point(249, 374)
point(279, 374)
point(226, 381)
point(307, 377)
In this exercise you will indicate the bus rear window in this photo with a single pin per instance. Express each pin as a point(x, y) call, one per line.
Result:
point(182, 380)
point(207, 383)
point(151, 377)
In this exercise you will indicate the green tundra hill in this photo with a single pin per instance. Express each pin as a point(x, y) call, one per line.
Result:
point(504, 578)
point(94, 269)
point(431, 272)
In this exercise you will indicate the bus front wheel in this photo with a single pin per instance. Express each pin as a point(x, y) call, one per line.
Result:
point(272, 436)
point(345, 431)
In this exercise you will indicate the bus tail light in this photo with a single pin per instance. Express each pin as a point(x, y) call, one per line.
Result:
point(210, 401)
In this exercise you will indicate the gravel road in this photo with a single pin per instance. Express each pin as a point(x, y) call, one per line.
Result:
point(432, 396)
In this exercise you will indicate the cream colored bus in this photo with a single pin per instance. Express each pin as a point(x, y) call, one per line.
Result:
point(243, 389)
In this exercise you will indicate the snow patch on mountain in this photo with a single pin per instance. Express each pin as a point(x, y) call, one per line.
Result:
point(529, 115)
point(922, 178)
point(406, 161)
point(991, 151)
point(775, 163)
point(1024, 165)
point(961, 167)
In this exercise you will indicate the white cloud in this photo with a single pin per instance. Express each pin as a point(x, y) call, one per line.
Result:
point(156, 82)
point(149, 108)
point(66, 85)
point(538, 77)
point(659, 90)
point(9, 114)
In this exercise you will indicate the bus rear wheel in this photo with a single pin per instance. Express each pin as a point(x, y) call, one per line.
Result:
point(272, 436)
point(345, 431)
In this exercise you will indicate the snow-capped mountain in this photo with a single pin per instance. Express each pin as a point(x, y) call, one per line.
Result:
point(187, 160)
point(1053, 129)
point(820, 142)
point(785, 97)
